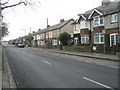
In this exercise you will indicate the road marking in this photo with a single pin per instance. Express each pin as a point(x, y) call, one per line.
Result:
point(31, 55)
point(98, 83)
point(47, 62)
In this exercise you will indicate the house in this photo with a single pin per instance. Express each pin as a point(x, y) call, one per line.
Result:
point(49, 36)
point(99, 27)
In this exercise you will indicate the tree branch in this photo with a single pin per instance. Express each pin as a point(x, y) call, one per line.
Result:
point(14, 5)
point(4, 3)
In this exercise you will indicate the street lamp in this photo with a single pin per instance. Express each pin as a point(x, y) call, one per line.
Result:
point(24, 40)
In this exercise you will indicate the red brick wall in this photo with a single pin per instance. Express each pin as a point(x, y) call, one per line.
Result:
point(98, 29)
point(84, 31)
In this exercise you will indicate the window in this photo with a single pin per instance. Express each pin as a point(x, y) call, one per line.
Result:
point(83, 24)
point(99, 38)
point(98, 21)
point(75, 40)
point(38, 42)
point(113, 39)
point(84, 39)
point(114, 18)
point(54, 42)
point(42, 42)
point(76, 27)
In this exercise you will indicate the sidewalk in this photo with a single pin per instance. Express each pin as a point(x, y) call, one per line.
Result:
point(86, 54)
point(0, 67)
point(6, 76)
point(83, 54)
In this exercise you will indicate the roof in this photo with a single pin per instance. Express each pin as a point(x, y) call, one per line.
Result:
point(54, 27)
point(105, 9)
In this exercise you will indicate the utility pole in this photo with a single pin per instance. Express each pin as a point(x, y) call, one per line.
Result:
point(30, 37)
point(48, 32)
point(119, 30)
point(0, 23)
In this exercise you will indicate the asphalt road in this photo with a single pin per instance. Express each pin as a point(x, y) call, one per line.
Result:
point(37, 69)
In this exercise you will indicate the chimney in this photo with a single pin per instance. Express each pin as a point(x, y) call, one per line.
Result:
point(48, 26)
point(39, 29)
point(33, 31)
point(105, 2)
point(62, 20)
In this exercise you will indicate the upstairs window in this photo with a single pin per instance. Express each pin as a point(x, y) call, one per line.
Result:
point(76, 27)
point(98, 21)
point(113, 18)
point(83, 24)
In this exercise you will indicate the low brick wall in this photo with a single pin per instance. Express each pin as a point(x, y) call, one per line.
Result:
point(83, 48)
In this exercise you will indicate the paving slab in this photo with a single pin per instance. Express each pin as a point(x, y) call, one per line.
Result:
point(0, 67)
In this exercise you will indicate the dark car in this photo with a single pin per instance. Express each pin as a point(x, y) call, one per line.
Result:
point(20, 45)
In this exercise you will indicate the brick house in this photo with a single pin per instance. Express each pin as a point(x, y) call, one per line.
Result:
point(99, 27)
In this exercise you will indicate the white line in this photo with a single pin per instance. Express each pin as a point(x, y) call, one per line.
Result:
point(31, 55)
point(47, 62)
point(98, 83)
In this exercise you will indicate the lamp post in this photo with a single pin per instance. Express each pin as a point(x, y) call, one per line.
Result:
point(24, 40)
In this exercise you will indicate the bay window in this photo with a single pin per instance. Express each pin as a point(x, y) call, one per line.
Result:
point(84, 39)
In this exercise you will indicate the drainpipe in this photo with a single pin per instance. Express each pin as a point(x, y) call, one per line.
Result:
point(119, 29)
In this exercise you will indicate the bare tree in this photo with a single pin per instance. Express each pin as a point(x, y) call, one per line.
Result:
point(12, 3)
point(4, 4)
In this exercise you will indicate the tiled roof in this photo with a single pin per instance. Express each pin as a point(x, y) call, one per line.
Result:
point(54, 27)
point(105, 9)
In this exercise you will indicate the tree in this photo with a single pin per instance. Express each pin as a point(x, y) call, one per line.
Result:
point(4, 4)
point(4, 29)
point(29, 38)
point(64, 38)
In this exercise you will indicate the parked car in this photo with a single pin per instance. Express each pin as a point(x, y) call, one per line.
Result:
point(20, 45)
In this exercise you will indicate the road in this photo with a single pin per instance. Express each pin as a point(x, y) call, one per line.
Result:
point(40, 69)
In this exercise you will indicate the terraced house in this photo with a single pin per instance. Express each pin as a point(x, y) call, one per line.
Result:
point(99, 27)
point(48, 37)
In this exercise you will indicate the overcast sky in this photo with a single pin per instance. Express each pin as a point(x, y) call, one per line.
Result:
point(21, 17)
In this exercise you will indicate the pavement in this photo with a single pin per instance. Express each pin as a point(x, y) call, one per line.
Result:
point(0, 67)
point(90, 55)
point(6, 77)
point(86, 54)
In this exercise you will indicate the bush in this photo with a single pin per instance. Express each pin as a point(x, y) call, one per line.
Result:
point(64, 38)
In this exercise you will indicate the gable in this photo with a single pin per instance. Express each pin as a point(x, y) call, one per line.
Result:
point(81, 18)
point(95, 13)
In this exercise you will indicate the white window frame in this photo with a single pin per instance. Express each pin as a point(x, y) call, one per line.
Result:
point(115, 41)
point(98, 23)
point(99, 36)
point(75, 40)
point(83, 24)
point(113, 19)
point(76, 27)
point(85, 37)
point(54, 42)
point(42, 42)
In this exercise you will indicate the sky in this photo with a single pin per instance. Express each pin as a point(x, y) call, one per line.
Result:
point(21, 18)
